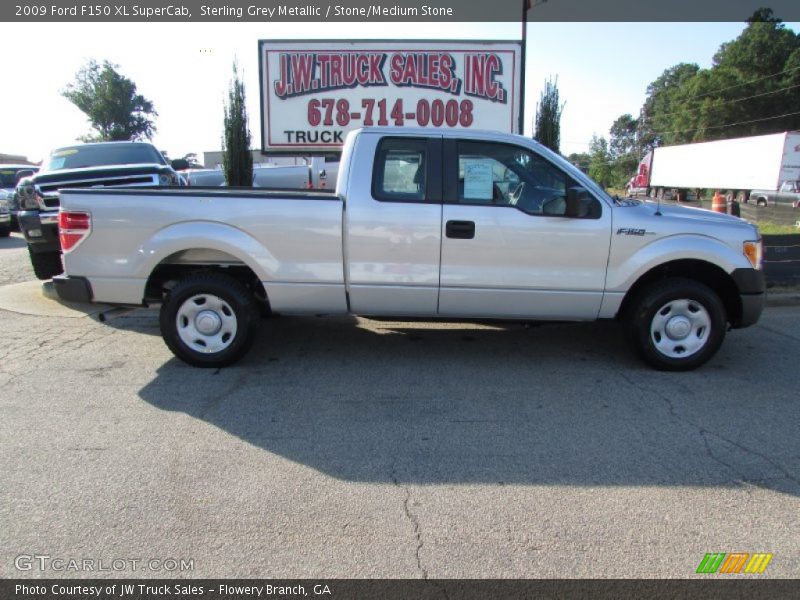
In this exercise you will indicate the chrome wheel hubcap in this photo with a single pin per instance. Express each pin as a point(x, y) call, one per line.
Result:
point(206, 323)
point(680, 328)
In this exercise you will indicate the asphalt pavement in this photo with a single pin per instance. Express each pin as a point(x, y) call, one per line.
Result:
point(362, 448)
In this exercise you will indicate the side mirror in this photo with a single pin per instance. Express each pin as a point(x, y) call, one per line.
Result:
point(23, 174)
point(580, 204)
point(180, 164)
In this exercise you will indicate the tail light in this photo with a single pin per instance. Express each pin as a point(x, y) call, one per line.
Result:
point(73, 226)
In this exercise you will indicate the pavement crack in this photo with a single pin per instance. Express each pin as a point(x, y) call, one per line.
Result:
point(415, 524)
point(779, 333)
point(705, 433)
point(779, 467)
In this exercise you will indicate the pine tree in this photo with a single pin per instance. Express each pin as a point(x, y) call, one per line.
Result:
point(237, 159)
point(548, 116)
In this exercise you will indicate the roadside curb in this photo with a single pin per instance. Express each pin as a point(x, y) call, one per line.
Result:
point(783, 298)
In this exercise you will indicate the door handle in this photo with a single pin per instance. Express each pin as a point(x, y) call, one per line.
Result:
point(460, 230)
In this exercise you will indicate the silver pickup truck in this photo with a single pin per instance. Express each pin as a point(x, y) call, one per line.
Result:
point(450, 224)
point(787, 194)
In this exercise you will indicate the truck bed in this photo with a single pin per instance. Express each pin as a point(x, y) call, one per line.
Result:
point(292, 240)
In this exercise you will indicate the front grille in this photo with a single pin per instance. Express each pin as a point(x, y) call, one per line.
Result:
point(51, 201)
point(131, 180)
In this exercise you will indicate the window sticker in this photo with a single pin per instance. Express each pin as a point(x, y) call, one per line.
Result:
point(478, 178)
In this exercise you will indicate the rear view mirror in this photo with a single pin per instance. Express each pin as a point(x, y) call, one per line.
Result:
point(581, 205)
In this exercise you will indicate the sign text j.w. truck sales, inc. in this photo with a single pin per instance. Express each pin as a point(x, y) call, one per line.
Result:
point(314, 93)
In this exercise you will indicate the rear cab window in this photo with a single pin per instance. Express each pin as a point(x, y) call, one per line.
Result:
point(407, 170)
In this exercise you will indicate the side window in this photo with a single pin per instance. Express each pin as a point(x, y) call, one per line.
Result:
point(400, 170)
point(507, 175)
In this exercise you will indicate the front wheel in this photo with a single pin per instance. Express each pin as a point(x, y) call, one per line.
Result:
point(5, 230)
point(677, 324)
point(209, 320)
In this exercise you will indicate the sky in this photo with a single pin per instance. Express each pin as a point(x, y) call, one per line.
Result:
point(603, 70)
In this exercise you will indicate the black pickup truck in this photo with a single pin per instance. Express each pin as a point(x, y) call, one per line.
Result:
point(81, 166)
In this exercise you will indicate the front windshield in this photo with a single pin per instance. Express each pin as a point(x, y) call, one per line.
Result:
point(77, 157)
point(8, 175)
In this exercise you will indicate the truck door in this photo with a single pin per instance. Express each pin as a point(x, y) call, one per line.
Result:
point(393, 222)
point(786, 193)
point(511, 247)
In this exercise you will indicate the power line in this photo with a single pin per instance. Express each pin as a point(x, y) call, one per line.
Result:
point(677, 112)
point(744, 83)
point(733, 124)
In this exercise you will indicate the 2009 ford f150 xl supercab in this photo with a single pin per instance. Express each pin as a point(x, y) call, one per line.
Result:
point(452, 224)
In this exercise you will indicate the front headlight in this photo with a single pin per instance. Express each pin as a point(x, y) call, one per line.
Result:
point(754, 251)
point(3, 205)
point(28, 197)
point(168, 179)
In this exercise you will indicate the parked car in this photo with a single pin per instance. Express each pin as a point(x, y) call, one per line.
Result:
point(10, 176)
point(5, 218)
point(100, 165)
point(291, 177)
point(452, 224)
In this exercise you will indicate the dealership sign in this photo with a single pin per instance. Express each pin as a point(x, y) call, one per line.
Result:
point(314, 93)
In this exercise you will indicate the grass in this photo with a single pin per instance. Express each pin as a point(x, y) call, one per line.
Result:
point(768, 228)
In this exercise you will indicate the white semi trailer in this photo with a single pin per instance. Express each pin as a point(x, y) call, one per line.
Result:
point(734, 167)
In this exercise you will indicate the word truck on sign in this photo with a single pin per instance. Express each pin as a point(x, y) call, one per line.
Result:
point(314, 93)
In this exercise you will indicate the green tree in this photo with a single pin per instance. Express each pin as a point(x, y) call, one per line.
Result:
point(622, 138)
point(752, 88)
point(237, 159)
point(624, 150)
point(548, 116)
point(600, 161)
point(580, 160)
point(115, 110)
point(663, 100)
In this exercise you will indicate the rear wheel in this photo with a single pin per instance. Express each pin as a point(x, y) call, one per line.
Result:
point(209, 319)
point(46, 265)
point(677, 324)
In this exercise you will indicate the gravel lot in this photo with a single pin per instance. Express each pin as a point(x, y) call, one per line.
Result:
point(363, 448)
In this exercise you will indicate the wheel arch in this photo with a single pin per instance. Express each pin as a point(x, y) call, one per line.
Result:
point(190, 261)
point(759, 199)
point(200, 246)
point(701, 271)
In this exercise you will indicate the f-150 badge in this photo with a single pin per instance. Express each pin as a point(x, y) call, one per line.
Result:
point(629, 231)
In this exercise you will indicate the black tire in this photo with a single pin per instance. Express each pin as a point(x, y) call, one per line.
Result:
point(664, 352)
point(5, 230)
point(235, 297)
point(761, 202)
point(46, 265)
